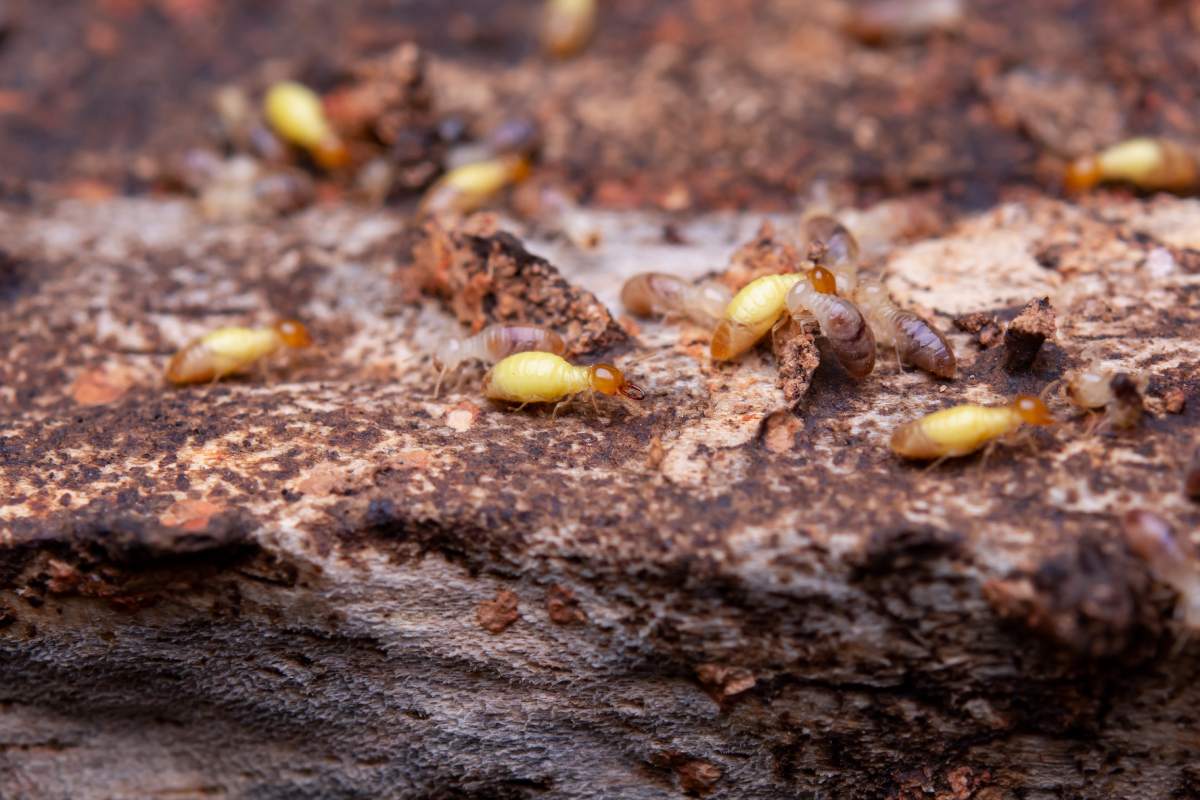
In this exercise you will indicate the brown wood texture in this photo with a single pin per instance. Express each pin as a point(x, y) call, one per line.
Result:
point(323, 582)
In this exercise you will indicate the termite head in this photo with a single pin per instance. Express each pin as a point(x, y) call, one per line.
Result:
point(607, 379)
point(1082, 174)
point(1032, 410)
point(293, 333)
point(822, 280)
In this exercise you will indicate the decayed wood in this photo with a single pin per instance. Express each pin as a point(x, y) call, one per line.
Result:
point(323, 582)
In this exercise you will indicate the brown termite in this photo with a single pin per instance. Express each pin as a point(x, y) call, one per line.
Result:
point(841, 322)
point(494, 343)
point(1171, 557)
point(1119, 394)
point(1191, 477)
point(227, 351)
point(650, 293)
point(915, 340)
point(832, 246)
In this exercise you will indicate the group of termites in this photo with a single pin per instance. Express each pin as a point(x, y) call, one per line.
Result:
point(825, 294)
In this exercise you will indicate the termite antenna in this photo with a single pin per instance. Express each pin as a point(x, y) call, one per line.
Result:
point(437, 387)
point(632, 391)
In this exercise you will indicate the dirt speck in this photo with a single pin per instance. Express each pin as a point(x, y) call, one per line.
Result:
point(563, 606)
point(461, 417)
point(102, 385)
point(190, 515)
point(723, 682)
point(495, 615)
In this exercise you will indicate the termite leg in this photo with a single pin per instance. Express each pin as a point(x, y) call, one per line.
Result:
point(437, 387)
point(899, 361)
point(558, 405)
point(936, 463)
point(987, 453)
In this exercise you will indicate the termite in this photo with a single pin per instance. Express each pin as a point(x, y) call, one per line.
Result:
point(1171, 558)
point(961, 430)
point(227, 351)
point(295, 112)
point(751, 313)
point(915, 340)
point(1118, 393)
point(534, 377)
point(494, 343)
point(567, 26)
point(879, 21)
point(649, 293)
point(1191, 477)
point(1150, 164)
point(467, 188)
point(841, 322)
point(832, 246)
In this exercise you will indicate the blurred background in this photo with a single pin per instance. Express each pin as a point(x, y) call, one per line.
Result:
point(673, 104)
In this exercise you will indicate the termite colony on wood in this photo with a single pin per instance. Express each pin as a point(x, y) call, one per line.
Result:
point(373, 135)
point(826, 293)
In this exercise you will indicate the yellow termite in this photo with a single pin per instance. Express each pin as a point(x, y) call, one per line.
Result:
point(751, 313)
point(295, 112)
point(469, 187)
point(1147, 163)
point(536, 377)
point(961, 430)
point(227, 351)
point(567, 26)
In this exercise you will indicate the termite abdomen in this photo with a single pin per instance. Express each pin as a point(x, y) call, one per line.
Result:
point(924, 346)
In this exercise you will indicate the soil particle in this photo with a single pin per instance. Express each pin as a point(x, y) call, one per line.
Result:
point(798, 357)
point(495, 615)
point(985, 327)
point(493, 278)
point(1024, 336)
point(563, 606)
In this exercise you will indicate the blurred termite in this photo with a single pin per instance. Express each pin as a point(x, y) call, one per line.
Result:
point(493, 343)
point(1147, 163)
point(227, 351)
point(881, 21)
point(961, 430)
point(567, 26)
point(656, 293)
point(534, 377)
point(295, 112)
point(1172, 559)
point(1191, 477)
point(1119, 394)
point(842, 324)
point(469, 187)
point(751, 314)
point(915, 340)
point(241, 188)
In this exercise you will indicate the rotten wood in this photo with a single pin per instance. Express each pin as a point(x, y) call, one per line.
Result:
point(322, 581)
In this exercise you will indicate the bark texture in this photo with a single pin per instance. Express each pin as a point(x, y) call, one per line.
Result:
point(322, 582)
